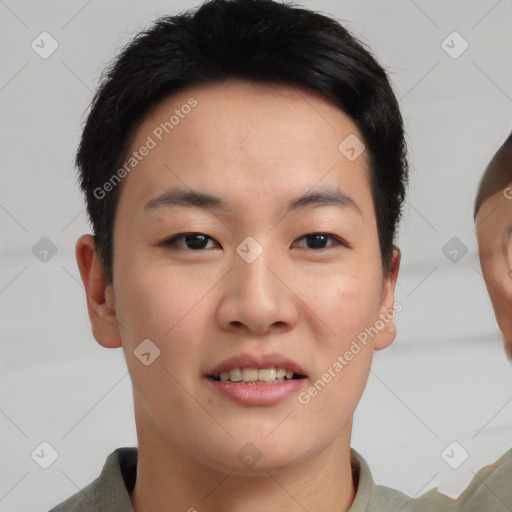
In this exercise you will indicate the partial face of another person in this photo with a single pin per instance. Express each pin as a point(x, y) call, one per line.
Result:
point(256, 271)
point(494, 236)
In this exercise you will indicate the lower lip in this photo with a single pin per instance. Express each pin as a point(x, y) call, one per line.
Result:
point(258, 394)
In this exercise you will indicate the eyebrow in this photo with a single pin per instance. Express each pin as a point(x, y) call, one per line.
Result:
point(197, 199)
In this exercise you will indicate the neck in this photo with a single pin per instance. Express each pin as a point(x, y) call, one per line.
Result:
point(170, 479)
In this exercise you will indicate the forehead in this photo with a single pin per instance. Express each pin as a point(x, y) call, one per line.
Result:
point(242, 140)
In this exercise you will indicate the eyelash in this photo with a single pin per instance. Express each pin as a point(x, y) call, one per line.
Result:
point(171, 242)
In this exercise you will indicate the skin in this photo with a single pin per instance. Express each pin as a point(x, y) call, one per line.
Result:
point(256, 146)
point(495, 252)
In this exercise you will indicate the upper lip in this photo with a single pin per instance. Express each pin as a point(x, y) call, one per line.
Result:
point(258, 361)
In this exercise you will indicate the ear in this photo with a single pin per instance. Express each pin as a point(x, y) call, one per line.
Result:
point(100, 297)
point(387, 312)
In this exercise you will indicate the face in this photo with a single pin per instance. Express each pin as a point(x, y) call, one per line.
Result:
point(493, 220)
point(261, 273)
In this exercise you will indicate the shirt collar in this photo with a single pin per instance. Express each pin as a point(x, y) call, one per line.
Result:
point(117, 480)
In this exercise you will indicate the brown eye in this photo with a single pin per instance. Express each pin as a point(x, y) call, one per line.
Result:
point(319, 240)
point(192, 241)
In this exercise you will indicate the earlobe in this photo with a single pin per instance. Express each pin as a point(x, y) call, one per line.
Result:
point(387, 334)
point(100, 297)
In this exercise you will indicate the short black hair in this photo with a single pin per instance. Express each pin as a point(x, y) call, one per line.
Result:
point(497, 175)
point(260, 41)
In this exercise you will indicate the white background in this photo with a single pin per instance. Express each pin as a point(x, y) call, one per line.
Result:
point(444, 379)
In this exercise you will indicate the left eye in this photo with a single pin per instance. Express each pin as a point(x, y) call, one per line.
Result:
point(318, 240)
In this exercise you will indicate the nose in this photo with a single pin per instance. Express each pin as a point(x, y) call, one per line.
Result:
point(258, 297)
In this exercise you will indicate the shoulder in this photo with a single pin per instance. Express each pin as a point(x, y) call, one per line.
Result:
point(379, 498)
point(490, 490)
point(110, 491)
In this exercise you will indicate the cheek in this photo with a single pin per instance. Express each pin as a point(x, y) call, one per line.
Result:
point(349, 307)
point(160, 304)
point(347, 301)
point(166, 309)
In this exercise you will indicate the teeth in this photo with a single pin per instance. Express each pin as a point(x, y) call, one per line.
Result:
point(250, 374)
point(235, 375)
point(254, 375)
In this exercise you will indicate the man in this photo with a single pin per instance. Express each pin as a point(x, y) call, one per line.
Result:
point(493, 217)
point(244, 169)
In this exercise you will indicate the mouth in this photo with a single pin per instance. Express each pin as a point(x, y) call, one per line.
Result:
point(256, 376)
point(254, 369)
point(257, 379)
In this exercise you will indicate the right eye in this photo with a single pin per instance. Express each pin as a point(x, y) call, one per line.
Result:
point(192, 241)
